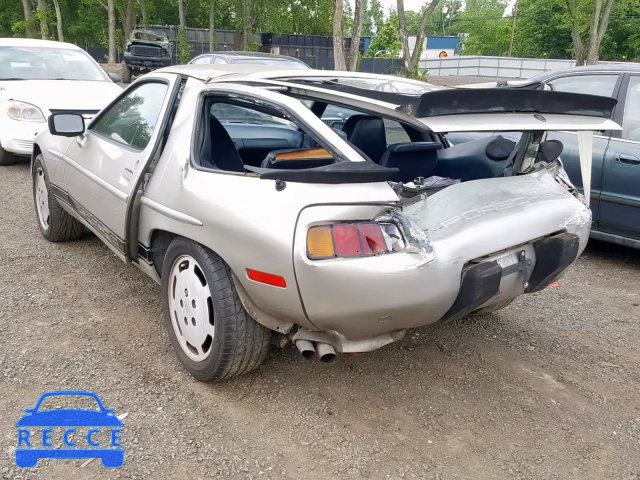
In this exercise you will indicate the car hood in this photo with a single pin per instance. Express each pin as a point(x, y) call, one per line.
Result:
point(69, 418)
point(61, 94)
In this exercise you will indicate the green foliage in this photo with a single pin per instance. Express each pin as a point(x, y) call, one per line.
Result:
point(388, 38)
point(185, 49)
point(372, 18)
point(489, 32)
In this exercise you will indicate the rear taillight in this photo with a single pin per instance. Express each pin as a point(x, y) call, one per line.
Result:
point(352, 240)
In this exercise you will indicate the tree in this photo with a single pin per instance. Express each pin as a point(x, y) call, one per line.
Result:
point(42, 16)
point(143, 13)
point(246, 24)
point(28, 17)
point(411, 59)
point(181, 14)
point(111, 12)
point(589, 23)
point(338, 35)
point(373, 17)
point(56, 5)
point(355, 37)
point(387, 38)
point(212, 25)
point(489, 32)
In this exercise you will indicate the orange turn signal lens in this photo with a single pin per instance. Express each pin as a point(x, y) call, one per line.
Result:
point(320, 243)
point(266, 278)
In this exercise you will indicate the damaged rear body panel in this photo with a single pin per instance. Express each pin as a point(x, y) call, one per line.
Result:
point(492, 221)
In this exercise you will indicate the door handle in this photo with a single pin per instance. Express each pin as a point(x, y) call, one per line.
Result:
point(628, 159)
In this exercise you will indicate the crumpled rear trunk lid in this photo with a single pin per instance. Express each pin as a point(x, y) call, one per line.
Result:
point(486, 216)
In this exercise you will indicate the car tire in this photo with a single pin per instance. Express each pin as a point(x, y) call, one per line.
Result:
point(493, 308)
point(55, 224)
point(6, 158)
point(226, 341)
point(126, 74)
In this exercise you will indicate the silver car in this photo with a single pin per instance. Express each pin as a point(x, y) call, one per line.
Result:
point(266, 224)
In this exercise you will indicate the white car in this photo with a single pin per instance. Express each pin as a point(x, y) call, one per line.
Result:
point(40, 77)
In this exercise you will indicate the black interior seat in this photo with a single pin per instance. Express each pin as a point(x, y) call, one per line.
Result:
point(417, 159)
point(219, 152)
point(367, 133)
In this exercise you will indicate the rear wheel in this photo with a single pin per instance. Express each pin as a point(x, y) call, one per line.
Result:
point(55, 224)
point(6, 158)
point(210, 331)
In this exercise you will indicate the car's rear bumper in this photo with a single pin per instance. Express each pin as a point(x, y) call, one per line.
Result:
point(477, 255)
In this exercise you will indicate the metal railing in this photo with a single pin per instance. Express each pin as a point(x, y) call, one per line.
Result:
point(487, 66)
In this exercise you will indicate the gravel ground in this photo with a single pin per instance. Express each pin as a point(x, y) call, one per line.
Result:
point(546, 388)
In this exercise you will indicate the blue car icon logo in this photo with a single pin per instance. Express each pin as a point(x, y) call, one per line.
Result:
point(81, 434)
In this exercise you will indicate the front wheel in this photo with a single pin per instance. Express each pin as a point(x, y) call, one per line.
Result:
point(55, 224)
point(210, 331)
point(126, 74)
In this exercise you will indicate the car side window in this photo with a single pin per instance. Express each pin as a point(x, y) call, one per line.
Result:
point(631, 119)
point(602, 85)
point(220, 61)
point(132, 120)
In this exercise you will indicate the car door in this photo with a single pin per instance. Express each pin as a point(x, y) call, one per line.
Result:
point(603, 84)
point(620, 198)
point(102, 167)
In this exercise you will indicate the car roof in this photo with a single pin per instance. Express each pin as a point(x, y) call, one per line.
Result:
point(602, 68)
point(249, 55)
point(32, 42)
point(208, 71)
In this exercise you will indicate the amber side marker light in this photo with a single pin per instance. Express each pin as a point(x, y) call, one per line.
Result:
point(266, 278)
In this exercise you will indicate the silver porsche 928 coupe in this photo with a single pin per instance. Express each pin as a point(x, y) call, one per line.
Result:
point(325, 208)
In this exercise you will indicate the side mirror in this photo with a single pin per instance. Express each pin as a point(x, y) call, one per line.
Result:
point(66, 124)
point(115, 78)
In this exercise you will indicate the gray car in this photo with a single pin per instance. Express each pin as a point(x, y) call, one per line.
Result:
point(615, 196)
point(248, 58)
point(265, 225)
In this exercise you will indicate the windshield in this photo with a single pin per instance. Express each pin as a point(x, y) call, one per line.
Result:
point(29, 63)
point(269, 61)
point(148, 37)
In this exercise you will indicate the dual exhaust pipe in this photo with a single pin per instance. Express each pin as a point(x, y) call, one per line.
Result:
point(324, 351)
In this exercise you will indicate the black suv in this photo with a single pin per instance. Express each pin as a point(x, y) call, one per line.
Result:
point(146, 51)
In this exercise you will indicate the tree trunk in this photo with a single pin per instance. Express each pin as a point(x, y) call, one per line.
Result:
point(358, 18)
point(599, 24)
point(143, 12)
point(181, 14)
point(111, 10)
point(246, 24)
point(212, 26)
point(28, 16)
point(578, 46)
point(411, 59)
point(56, 5)
point(338, 35)
point(44, 25)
